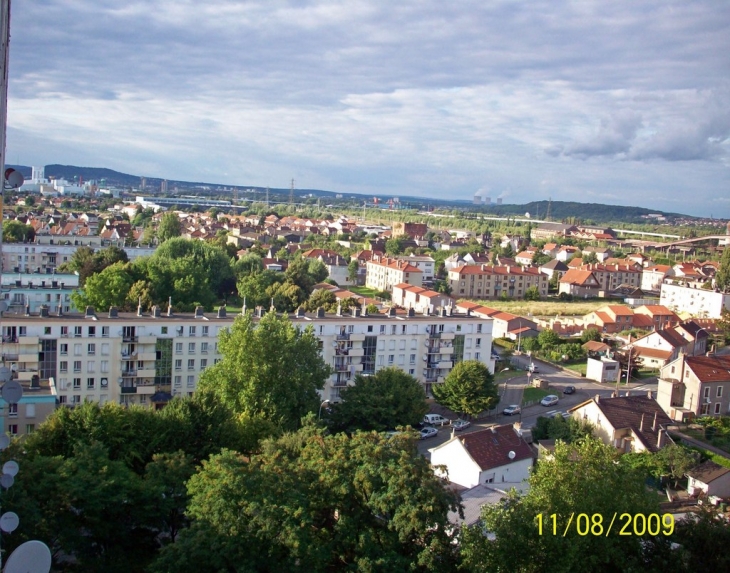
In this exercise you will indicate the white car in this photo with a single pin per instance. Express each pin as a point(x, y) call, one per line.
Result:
point(459, 425)
point(550, 400)
point(511, 410)
point(428, 433)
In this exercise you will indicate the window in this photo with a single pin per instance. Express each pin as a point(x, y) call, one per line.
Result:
point(143, 399)
point(478, 343)
point(707, 392)
point(178, 348)
point(13, 429)
point(63, 366)
point(402, 345)
point(393, 328)
point(205, 331)
point(76, 399)
point(403, 329)
point(91, 349)
point(370, 327)
point(458, 328)
point(191, 364)
point(105, 332)
point(29, 428)
point(105, 349)
point(77, 383)
point(412, 371)
point(46, 330)
point(63, 349)
point(382, 329)
point(104, 366)
point(90, 383)
point(22, 331)
point(413, 359)
point(163, 330)
point(30, 410)
point(92, 331)
point(77, 332)
point(719, 391)
point(191, 381)
point(391, 358)
point(204, 347)
point(90, 367)
point(191, 331)
point(178, 364)
point(717, 407)
point(401, 359)
point(62, 399)
point(77, 350)
point(77, 365)
point(13, 410)
point(477, 355)
point(191, 348)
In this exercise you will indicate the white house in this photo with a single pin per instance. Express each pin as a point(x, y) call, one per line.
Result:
point(709, 478)
point(499, 455)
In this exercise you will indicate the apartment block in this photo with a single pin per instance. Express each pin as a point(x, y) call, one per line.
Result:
point(383, 273)
point(492, 282)
point(146, 358)
point(691, 298)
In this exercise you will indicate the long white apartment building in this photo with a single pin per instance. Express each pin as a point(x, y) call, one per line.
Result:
point(691, 298)
point(148, 357)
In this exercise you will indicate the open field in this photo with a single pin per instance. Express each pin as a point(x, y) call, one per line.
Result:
point(545, 308)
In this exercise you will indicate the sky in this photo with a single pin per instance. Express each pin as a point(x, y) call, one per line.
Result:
point(624, 103)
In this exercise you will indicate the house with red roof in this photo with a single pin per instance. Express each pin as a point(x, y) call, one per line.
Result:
point(383, 273)
point(419, 299)
point(500, 456)
point(695, 386)
point(579, 283)
point(492, 282)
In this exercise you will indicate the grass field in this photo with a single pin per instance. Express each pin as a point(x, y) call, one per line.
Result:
point(545, 308)
point(362, 291)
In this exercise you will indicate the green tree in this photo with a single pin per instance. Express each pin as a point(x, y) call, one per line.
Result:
point(676, 460)
point(316, 502)
point(394, 246)
point(548, 339)
point(699, 536)
point(249, 264)
point(468, 389)
point(352, 270)
point(29, 201)
point(17, 232)
point(166, 476)
point(722, 276)
point(590, 334)
point(255, 287)
point(540, 258)
point(169, 227)
point(532, 293)
point(108, 288)
point(384, 401)
point(321, 298)
point(586, 477)
point(269, 368)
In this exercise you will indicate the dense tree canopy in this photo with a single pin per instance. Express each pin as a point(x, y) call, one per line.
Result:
point(169, 227)
point(468, 389)
point(17, 232)
point(388, 399)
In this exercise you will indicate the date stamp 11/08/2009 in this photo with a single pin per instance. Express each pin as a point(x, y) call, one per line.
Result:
point(595, 524)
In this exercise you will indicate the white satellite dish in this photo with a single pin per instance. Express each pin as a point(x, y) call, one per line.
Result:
point(13, 178)
point(12, 391)
point(9, 521)
point(511, 455)
point(11, 468)
point(30, 557)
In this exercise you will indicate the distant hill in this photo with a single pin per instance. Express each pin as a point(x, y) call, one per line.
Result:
point(559, 210)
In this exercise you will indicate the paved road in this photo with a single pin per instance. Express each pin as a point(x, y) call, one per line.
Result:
point(511, 393)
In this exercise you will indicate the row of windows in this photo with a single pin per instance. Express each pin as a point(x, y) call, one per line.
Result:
point(76, 383)
point(13, 429)
point(29, 410)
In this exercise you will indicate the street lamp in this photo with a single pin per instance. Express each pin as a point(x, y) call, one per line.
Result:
point(319, 416)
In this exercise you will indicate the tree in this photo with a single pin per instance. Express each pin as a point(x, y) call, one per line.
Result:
point(468, 389)
point(676, 460)
point(169, 227)
point(384, 401)
point(532, 293)
point(248, 264)
point(699, 536)
point(353, 269)
point(586, 477)
point(166, 476)
point(722, 276)
point(316, 502)
point(255, 288)
point(540, 258)
point(270, 369)
point(590, 334)
point(29, 201)
point(587, 258)
point(17, 232)
point(394, 246)
point(548, 339)
point(108, 288)
point(321, 298)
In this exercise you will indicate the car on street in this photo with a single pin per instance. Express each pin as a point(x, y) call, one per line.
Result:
point(459, 425)
point(569, 390)
point(511, 410)
point(549, 400)
point(534, 368)
point(435, 420)
point(428, 433)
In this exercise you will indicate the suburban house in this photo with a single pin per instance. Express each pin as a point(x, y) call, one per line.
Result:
point(610, 319)
point(629, 423)
point(423, 262)
point(506, 325)
point(695, 386)
point(383, 273)
point(709, 478)
point(491, 282)
point(610, 277)
point(419, 299)
point(653, 277)
point(579, 283)
point(551, 231)
point(660, 317)
point(499, 455)
point(552, 267)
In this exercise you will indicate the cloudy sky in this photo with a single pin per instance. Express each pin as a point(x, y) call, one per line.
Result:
point(622, 102)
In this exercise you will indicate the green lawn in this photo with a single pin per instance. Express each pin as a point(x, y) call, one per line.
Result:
point(362, 291)
point(580, 367)
point(534, 395)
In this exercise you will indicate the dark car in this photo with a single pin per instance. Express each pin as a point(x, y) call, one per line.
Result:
point(569, 390)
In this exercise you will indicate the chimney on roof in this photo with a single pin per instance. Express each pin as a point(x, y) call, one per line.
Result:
point(411, 312)
point(598, 398)
point(44, 311)
point(89, 312)
point(654, 425)
point(339, 308)
point(641, 425)
point(27, 310)
point(649, 394)
point(260, 312)
point(156, 311)
point(139, 306)
point(320, 312)
point(243, 308)
point(356, 312)
point(199, 312)
point(169, 306)
point(364, 310)
point(391, 311)
point(221, 312)
point(300, 312)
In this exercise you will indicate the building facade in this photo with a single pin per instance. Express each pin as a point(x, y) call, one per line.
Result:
point(691, 298)
point(492, 282)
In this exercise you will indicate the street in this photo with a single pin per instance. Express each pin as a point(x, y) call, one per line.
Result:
point(512, 389)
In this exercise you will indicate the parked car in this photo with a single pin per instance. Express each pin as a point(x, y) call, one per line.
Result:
point(435, 420)
point(511, 410)
point(459, 425)
point(428, 433)
point(550, 400)
point(569, 390)
point(534, 368)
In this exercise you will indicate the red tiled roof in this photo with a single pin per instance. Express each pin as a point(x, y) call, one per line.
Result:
point(710, 368)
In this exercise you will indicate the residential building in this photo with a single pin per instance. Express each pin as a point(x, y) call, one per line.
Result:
point(505, 324)
point(38, 402)
point(611, 277)
point(579, 283)
point(695, 386)
point(493, 282)
point(383, 273)
point(145, 358)
point(422, 262)
point(652, 277)
point(419, 299)
point(497, 456)
point(411, 230)
point(659, 317)
point(552, 267)
point(610, 319)
point(709, 479)
point(551, 231)
point(628, 423)
point(692, 299)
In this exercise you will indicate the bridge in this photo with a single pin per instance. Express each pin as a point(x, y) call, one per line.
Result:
point(722, 240)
